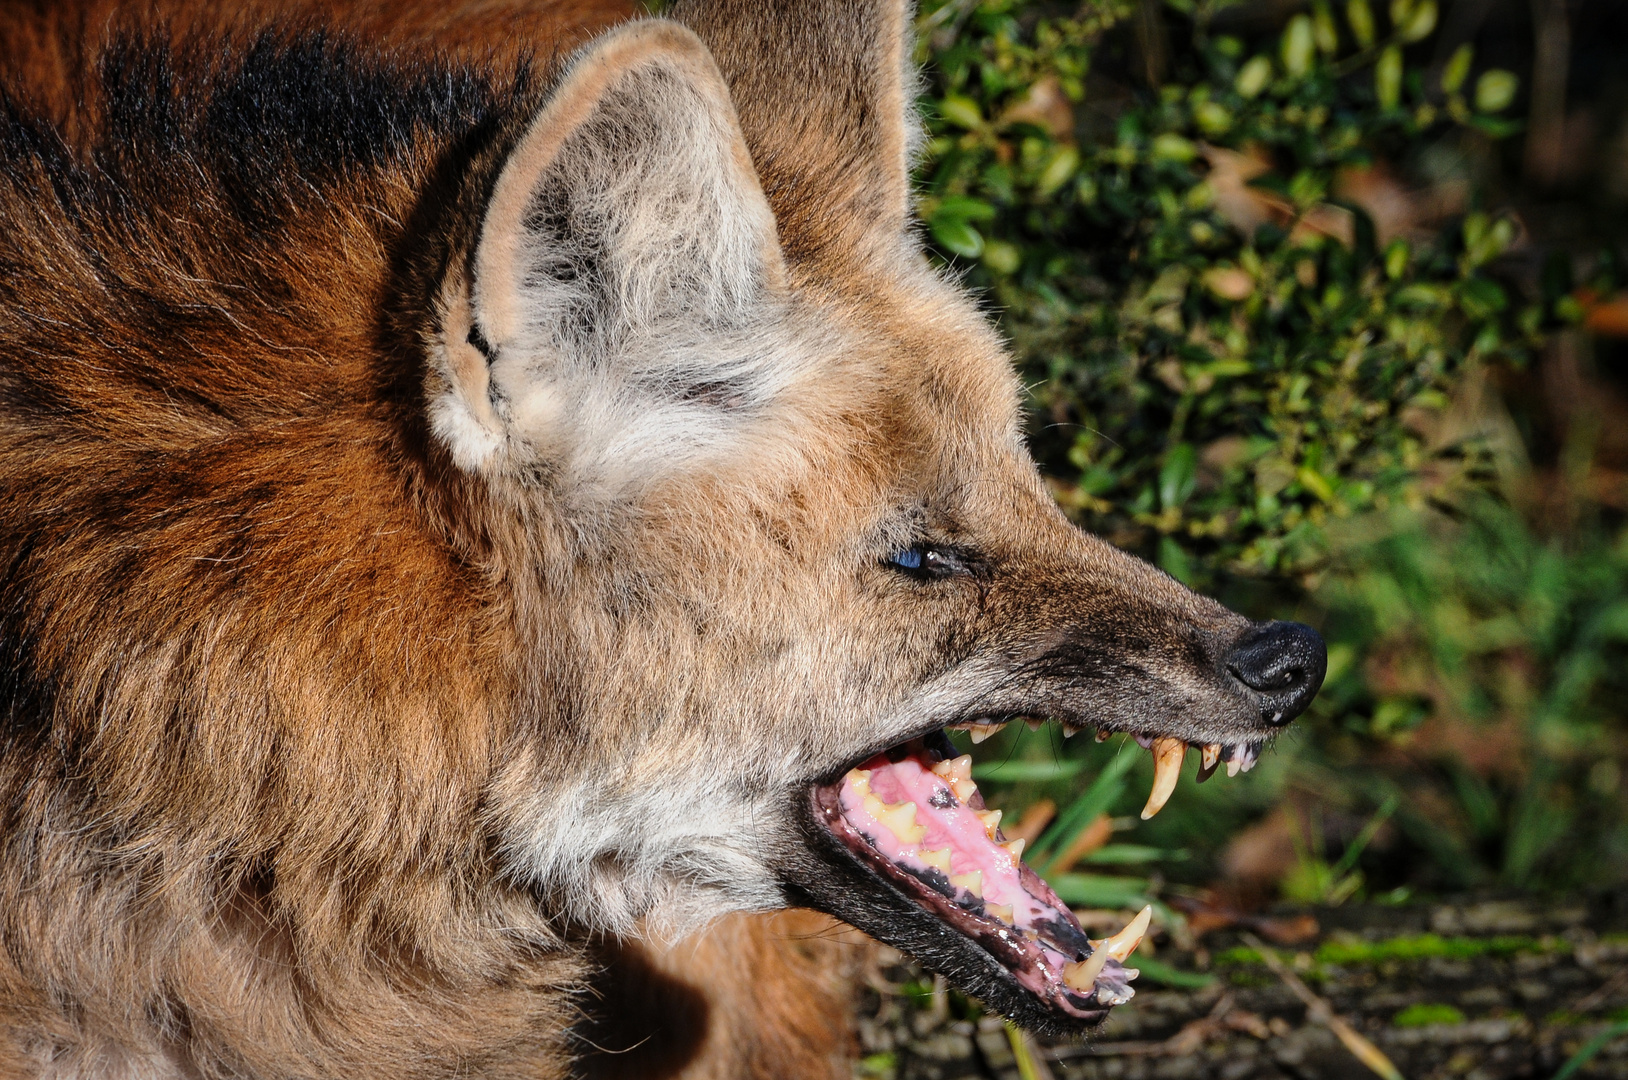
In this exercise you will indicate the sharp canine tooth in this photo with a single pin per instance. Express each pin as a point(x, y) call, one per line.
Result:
point(964, 790)
point(1167, 758)
point(1125, 942)
point(991, 820)
point(1016, 849)
point(1033, 723)
point(959, 768)
point(980, 732)
point(1209, 759)
point(973, 882)
point(1069, 731)
point(1102, 736)
point(939, 859)
point(1233, 758)
point(1003, 912)
point(1083, 975)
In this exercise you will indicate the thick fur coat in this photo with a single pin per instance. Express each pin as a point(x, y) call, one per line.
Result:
point(460, 471)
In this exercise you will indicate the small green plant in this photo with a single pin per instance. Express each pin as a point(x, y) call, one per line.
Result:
point(1426, 1015)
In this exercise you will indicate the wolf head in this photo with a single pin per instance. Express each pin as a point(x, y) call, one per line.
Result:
point(755, 478)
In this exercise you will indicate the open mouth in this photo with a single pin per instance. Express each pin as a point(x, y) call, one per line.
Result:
point(913, 816)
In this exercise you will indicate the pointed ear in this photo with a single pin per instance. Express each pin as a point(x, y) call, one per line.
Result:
point(825, 90)
point(626, 223)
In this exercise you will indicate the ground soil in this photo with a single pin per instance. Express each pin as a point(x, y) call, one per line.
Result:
point(1482, 989)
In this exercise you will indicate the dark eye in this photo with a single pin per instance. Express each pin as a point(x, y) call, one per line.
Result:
point(926, 561)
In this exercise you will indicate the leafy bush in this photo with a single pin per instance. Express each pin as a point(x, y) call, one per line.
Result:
point(1242, 357)
point(1224, 344)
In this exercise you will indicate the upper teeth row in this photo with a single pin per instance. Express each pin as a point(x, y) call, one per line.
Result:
point(1168, 754)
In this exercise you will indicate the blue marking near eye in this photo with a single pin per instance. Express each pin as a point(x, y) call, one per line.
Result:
point(909, 558)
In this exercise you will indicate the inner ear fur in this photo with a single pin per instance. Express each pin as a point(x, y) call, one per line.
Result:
point(825, 92)
point(624, 237)
point(640, 129)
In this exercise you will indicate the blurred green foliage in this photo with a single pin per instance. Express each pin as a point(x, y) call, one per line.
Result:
point(1244, 368)
point(1224, 350)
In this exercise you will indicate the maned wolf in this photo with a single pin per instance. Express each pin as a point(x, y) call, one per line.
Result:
point(464, 499)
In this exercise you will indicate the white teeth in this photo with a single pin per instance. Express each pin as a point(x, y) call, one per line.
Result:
point(1015, 849)
point(980, 732)
point(899, 818)
point(973, 882)
point(991, 820)
point(1069, 731)
point(1251, 754)
point(1083, 975)
point(1122, 944)
point(1168, 754)
point(958, 771)
point(939, 860)
point(1033, 723)
point(1003, 912)
point(1234, 760)
point(1212, 755)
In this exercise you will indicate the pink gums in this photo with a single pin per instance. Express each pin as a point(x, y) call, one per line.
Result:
point(950, 825)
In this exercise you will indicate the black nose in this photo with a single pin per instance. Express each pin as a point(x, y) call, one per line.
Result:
point(1284, 663)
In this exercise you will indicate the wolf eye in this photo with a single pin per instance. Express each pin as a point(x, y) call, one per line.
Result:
point(926, 561)
point(908, 559)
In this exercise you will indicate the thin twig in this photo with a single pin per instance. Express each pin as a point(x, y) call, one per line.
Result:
point(1321, 1012)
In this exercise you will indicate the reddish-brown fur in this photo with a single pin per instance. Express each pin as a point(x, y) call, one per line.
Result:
point(348, 702)
point(402, 722)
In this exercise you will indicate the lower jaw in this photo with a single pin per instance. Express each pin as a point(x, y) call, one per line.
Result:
point(1019, 948)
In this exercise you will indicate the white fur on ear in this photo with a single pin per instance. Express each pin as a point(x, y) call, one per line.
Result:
point(626, 310)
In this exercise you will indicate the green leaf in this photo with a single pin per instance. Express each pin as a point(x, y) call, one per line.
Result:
point(1178, 476)
point(1419, 22)
point(1213, 118)
point(958, 237)
point(1125, 854)
point(1058, 171)
point(1253, 77)
point(1495, 90)
point(1160, 972)
point(1173, 560)
point(1170, 147)
point(1096, 890)
point(961, 111)
point(1458, 68)
point(1085, 809)
point(1324, 29)
point(1032, 772)
point(963, 208)
point(1002, 257)
point(1360, 17)
point(1388, 77)
point(1298, 46)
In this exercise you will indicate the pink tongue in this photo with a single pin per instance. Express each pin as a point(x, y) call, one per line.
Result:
point(945, 823)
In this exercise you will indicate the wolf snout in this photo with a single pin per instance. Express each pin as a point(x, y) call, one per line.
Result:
point(1283, 663)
